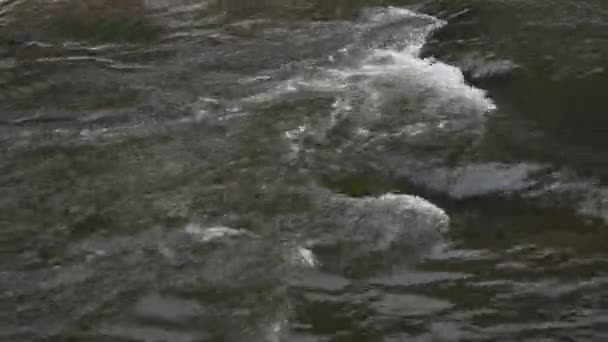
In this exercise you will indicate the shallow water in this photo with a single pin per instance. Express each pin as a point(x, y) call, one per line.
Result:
point(186, 170)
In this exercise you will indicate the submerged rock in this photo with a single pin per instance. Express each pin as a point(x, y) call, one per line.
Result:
point(377, 231)
point(342, 234)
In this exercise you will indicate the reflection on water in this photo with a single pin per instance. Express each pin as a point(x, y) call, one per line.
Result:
point(112, 20)
point(318, 9)
point(98, 20)
point(321, 9)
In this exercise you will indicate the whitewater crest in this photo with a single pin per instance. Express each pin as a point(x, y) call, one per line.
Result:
point(348, 233)
point(382, 89)
point(392, 67)
point(389, 44)
point(392, 219)
point(208, 234)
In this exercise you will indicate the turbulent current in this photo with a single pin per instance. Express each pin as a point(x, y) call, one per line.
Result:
point(302, 171)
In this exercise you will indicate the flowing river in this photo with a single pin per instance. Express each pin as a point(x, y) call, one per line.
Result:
point(303, 170)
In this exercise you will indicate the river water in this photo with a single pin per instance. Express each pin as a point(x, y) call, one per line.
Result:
point(231, 170)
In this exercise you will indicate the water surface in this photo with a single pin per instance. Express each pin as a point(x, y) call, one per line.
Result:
point(219, 170)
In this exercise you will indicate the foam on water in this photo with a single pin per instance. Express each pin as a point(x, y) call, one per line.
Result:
point(478, 179)
point(305, 257)
point(208, 234)
point(293, 255)
point(436, 216)
point(586, 196)
point(400, 60)
point(392, 13)
point(444, 81)
point(595, 204)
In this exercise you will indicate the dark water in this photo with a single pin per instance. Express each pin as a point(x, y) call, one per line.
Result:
point(250, 170)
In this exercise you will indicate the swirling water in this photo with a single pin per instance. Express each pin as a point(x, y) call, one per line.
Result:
point(303, 171)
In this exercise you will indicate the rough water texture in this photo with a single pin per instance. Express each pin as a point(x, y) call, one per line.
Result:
point(230, 170)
